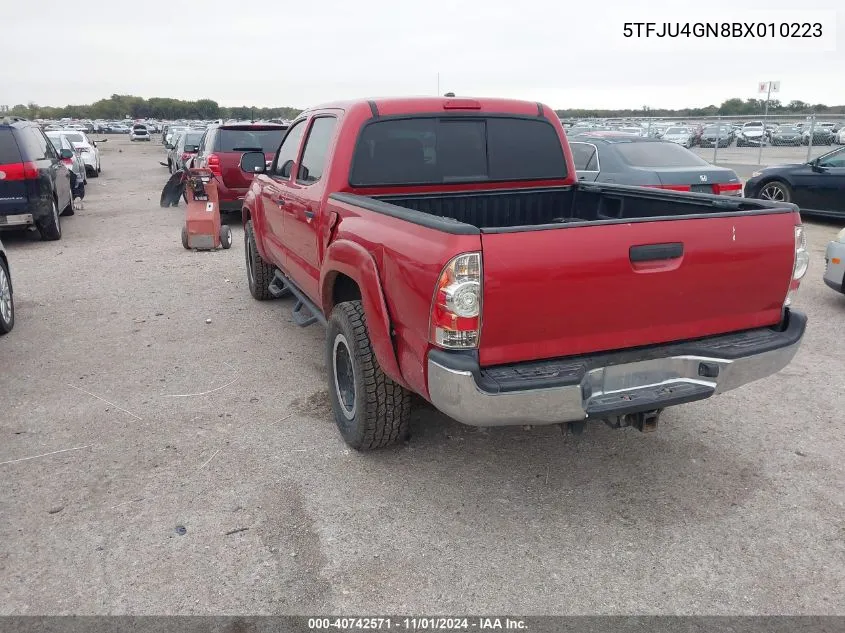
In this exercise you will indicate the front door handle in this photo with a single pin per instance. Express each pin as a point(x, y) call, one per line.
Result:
point(279, 201)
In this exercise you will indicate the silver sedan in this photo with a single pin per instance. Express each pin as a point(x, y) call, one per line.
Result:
point(834, 260)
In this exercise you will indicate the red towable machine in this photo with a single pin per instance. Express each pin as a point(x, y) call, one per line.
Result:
point(203, 229)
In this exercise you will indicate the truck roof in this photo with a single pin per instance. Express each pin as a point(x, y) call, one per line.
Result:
point(388, 106)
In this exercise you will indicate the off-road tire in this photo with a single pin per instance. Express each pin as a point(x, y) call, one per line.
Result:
point(50, 227)
point(381, 407)
point(259, 273)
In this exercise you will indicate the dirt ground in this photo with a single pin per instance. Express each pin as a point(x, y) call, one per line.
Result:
point(154, 463)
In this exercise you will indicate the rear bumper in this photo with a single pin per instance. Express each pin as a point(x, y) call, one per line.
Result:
point(834, 274)
point(608, 384)
point(16, 220)
point(231, 198)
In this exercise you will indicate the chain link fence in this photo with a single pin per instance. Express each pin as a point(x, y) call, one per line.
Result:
point(744, 143)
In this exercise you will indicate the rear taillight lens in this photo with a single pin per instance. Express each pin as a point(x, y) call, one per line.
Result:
point(670, 187)
point(19, 171)
point(67, 161)
point(214, 164)
point(800, 264)
point(456, 307)
point(728, 189)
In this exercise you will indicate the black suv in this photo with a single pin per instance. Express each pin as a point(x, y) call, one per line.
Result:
point(34, 183)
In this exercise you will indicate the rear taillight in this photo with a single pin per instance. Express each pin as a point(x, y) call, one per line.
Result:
point(67, 161)
point(801, 263)
point(18, 171)
point(671, 187)
point(728, 189)
point(214, 164)
point(456, 306)
point(186, 155)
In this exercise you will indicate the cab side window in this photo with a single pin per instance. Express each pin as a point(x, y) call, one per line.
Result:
point(316, 149)
point(289, 150)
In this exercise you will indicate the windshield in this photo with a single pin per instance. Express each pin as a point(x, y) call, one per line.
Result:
point(677, 130)
point(659, 155)
point(789, 130)
point(750, 125)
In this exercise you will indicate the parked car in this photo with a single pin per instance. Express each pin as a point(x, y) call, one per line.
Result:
point(786, 135)
point(139, 133)
point(834, 263)
point(821, 135)
point(87, 150)
point(7, 299)
point(713, 134)
point(612, 158)
point(118, 128)
point(751, 135)
point(419, 238)
point(186, 148)
point(74, 162)
point(817, 187)
point(34, 182)
point(220, 151)
point(681, 135)
point(168, 138)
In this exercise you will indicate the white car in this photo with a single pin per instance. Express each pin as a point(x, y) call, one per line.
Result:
point(87, 150)
point(752, 134)
point(139, 133)
point(73, 161)
point(680, 135)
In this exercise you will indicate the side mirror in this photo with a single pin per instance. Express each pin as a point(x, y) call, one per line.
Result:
point(817, 167)
point(66, 153)
point(253, 162)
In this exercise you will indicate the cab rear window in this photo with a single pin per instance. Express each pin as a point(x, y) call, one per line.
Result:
point(434, 150)
point(9, 152)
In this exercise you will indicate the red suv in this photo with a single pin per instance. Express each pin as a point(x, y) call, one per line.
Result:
point(220, 150)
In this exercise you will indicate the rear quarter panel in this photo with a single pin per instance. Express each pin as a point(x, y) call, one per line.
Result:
point(409, 260)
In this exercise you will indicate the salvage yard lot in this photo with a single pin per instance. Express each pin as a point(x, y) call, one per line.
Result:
point(206, 475)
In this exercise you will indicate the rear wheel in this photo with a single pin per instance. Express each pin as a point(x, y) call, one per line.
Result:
point(51, 227)
point(7, 304)
point(185, 238)
point(259, 273)
point(370, 410)
point(776, 191)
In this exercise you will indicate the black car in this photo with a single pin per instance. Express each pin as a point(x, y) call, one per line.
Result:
point(817, 187)
point(35, 185)
point(631, 160)
point(786, 135)
point(7, 302)
point(712, 134)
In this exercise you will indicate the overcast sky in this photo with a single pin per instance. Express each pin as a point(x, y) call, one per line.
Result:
point(300, 54)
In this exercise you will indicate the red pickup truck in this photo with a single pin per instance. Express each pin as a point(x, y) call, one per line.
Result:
point(451, 252)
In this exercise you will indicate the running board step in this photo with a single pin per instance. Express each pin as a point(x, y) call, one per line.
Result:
point(304, 313)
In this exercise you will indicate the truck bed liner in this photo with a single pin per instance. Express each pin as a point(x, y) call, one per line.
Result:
point(587, 203)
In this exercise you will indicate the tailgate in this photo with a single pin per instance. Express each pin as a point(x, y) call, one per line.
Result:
point(13, 189)
point(576, 290)
point(233, 140)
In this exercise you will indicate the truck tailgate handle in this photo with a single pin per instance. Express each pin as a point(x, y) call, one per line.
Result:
point(656, 252)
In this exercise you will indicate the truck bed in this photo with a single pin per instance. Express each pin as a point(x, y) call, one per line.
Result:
point(508, 210)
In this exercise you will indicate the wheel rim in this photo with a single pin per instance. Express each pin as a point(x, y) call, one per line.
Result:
point(250, 259)
point(5, 297)
point(773, 193)
point(344, 376)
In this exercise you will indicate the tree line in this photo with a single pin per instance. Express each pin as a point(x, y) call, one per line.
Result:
point(730, 107)
point(121, 106)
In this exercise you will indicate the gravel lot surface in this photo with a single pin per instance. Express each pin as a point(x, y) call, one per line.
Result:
point(202, 473)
